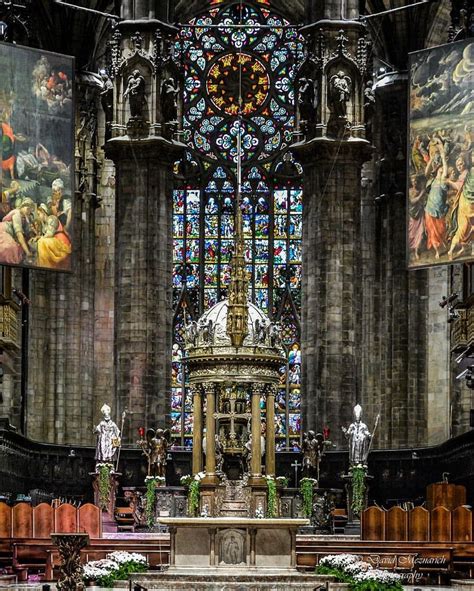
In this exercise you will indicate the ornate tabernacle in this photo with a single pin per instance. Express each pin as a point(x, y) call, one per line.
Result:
point(234, 355)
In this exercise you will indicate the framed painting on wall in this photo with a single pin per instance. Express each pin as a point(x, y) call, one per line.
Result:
point(37, 156)
point(440, 195)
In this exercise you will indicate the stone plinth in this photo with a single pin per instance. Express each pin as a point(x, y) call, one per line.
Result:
point(463, 584)
point(233, 542)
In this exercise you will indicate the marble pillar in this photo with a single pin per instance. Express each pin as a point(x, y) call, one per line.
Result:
point(270, 435)
point(210, 391)
point(197, 429)
point(256, 460)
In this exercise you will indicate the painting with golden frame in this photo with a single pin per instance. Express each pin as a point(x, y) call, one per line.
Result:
point(36, 176)
point(440, 194)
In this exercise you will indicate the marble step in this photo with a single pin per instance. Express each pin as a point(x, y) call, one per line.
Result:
point(234, 578)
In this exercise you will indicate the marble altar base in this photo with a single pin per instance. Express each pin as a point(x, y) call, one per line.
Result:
point(232, 542)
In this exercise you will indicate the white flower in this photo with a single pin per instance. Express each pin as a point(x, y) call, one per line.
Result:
point(122, 557)
point(378, 576)
point(155, 479)
point(356, 568)
point(340, 561)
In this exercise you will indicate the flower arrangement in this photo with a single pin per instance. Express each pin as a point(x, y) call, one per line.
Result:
point(105, 470)
point(281, 481)
point(360, 576)
point(193, 483)
point(272, 497)
point(118, 566)
point(358, 473)
point(151, 483)
point(306, 489)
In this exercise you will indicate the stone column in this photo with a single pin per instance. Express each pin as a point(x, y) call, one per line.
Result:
point(143, 149)
point(270, 435)
point(210, 390)
point(331, 314)
point(197, 429)
point(143, 275)
point(332, 155)
point(256, 461)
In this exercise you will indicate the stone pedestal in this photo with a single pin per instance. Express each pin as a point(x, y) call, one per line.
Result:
point(108, 509)
point(353, 523)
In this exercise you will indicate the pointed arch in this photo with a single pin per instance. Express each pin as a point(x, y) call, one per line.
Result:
point(215, 60)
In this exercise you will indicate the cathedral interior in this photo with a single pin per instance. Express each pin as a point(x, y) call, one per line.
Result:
point(228, 230)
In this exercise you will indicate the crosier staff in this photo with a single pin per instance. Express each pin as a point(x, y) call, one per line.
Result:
point(125, 412)
point(373, 434)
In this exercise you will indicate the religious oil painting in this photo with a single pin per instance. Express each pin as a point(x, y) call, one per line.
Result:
point(440, 206)
point(36, 106)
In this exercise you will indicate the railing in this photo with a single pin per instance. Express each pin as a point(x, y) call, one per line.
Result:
point(9, 325)
point(459, 330)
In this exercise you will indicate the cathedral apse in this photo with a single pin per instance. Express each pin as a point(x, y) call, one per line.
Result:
point(263, 62)
point(36, 107)
point(440, 205)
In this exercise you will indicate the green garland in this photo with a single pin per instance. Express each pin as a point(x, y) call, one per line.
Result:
point(272, 498)
point(358, 489)
point(151, 485)
point(105, 487)
point(193, 498)
point(306, 489)
point(121, 573)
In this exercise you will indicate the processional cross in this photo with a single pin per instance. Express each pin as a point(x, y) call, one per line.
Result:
point(232, 415)
point(296, 465)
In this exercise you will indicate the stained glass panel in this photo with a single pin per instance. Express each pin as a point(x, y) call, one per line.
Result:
point(262, 62)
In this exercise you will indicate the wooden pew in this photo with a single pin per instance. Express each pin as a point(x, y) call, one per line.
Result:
point(5, 534)
point(396, 524)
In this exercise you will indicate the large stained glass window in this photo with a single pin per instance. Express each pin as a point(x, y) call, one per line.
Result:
point(258, 63)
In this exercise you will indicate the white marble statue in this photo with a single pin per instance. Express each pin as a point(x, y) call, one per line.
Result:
point(359, 438)
point(108, 437)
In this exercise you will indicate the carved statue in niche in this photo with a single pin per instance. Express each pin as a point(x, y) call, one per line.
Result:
point(135, 92)
point(191, 332)
point(169, 100)
point(231, 548)
point(106, 100)
point(260, 332)
point(369, 108)
point(340, 89)
point(307, 99)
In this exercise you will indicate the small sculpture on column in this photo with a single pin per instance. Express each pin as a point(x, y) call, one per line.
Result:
point(169, 100)
point(135, 92)
point(340, 88)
